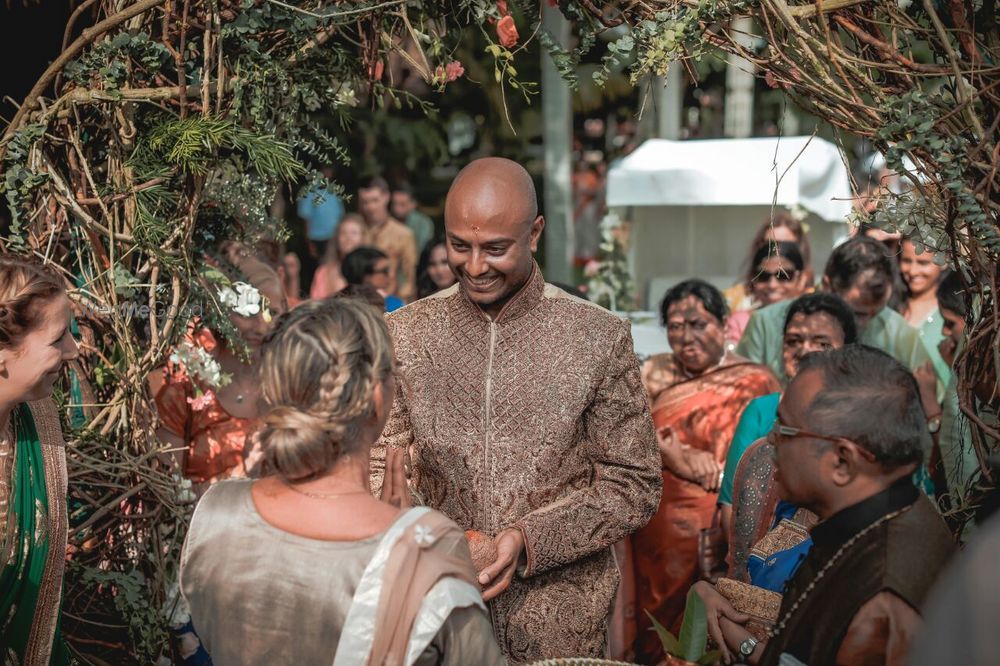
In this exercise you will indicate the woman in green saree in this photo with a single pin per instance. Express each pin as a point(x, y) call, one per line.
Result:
point(35, 342)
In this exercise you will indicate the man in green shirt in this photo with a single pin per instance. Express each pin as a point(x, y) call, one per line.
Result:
point(404, 209)
point(860, 272)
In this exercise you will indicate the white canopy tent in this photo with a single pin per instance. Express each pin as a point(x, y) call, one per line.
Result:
point(693, 206)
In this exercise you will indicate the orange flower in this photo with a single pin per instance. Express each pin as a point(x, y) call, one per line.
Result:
point(375, 71)
point(507, 32)
point(502, 7)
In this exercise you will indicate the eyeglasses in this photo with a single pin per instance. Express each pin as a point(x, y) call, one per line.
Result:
point(782, 430)
point(780, 276)
point(380, 271)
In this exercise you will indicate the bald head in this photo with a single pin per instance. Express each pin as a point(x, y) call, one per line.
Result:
point(492, 224)
point(495, 186)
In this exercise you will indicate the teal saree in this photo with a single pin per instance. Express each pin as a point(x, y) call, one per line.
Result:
point(33, 542)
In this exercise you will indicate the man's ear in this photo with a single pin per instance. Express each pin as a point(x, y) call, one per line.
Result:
point(845, 462)
point(825, 283)
point(536, 232)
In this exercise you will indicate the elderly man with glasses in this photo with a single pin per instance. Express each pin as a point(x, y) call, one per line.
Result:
point(849, 434)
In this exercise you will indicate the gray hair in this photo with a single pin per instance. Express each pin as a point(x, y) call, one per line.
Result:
point(871, 399)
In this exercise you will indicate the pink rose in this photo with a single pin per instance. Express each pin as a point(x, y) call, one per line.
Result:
point(507, 32)
point(502, 7)
point(453, 70)
point(202, 401)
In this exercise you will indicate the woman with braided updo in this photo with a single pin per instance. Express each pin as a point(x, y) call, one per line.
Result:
point(305, 566)
point(35, 342)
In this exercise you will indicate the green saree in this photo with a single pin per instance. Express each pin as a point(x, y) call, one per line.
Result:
point(32, 502)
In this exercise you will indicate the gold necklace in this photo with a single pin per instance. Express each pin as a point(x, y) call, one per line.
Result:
point(780, 626)
point(324, 495)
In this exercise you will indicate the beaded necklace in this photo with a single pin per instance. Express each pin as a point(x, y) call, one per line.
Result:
point(780, 626)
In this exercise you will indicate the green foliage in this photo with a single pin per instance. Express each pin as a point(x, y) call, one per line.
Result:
point(134, 58)
point(146, 624)
point(505, 74)
point(618, 51)
point(20, 182)
point(565, 61)
point(690, 645)
point(196, 144)
point(611, 284)
point(652, 44)
point(911, 128)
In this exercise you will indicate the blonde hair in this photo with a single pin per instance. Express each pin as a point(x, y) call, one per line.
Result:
point(25, 286)
point(319, 369)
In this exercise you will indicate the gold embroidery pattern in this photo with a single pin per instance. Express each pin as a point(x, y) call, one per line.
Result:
point(7, 460)
point(56, 483)
point(785, 535)
point(761, 605)
point(506, 419)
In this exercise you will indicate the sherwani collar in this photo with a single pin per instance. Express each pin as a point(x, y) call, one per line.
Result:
point(523, 302)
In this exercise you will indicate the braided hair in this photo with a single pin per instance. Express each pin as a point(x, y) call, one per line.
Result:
point(26, 286)
point(319, 367)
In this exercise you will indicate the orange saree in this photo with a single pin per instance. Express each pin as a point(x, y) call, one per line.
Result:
point(702, 412)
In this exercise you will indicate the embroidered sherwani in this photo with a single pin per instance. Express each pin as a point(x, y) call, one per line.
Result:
point(537, 420)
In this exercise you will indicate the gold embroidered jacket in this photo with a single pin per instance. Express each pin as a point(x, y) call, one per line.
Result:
point(536, 420)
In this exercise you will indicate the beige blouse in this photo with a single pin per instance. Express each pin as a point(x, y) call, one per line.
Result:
point(260, 595)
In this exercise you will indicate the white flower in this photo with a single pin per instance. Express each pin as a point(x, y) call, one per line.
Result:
point(245, 300)
point(346, 97)
point(198, 363)
point(422, 535)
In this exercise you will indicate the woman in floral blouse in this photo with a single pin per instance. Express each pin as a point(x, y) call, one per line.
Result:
point(206, 418)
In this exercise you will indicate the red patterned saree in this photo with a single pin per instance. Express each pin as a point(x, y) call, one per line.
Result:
point(702, 412)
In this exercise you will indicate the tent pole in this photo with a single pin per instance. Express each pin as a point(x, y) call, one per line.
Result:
point(558, 127)
point(670, 103)
point(738, 106)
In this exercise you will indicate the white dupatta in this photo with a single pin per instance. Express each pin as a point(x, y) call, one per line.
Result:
point(447, 594)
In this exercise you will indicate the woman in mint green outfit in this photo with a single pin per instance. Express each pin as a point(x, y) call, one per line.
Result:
point(920, 308)
point(35, 342)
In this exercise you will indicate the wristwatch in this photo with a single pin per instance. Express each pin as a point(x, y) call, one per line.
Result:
point(748, 646)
